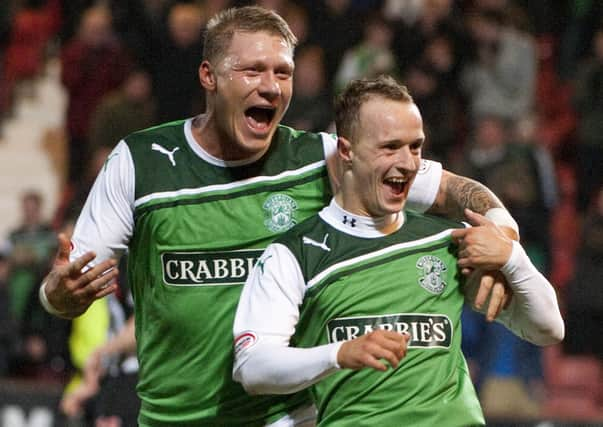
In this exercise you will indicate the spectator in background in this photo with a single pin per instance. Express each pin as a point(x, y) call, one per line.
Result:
point(123, 112)
point(432, 82)
point(521, 172)
point(8, 331)
point(107, 391)
point(74, 196)
point(588, 99)
point(371, 57)
point(310, 108)
point(34, 24)
point(343, 26)
point(93, 64)
point(173, 62)
point(416, 29)
point(41, 352)
point(500, 80)
point(297, 18)
point(584, 294)
point(30, 248)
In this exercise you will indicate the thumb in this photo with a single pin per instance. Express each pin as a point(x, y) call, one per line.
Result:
point(476, 219)
point(63, 250)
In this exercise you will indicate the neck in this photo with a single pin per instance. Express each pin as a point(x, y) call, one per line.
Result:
point(353, 222)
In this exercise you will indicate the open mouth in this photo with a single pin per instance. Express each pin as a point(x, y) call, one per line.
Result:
point(260, 118)
point(396, 184)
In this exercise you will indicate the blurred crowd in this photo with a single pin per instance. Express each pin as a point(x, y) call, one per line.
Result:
point(511, 93)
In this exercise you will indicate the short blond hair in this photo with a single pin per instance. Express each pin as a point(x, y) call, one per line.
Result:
point(223, 25)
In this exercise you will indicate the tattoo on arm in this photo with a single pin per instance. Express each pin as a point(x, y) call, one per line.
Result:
point(459, 193)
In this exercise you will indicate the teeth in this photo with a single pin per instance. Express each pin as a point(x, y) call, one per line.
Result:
point(397, 180)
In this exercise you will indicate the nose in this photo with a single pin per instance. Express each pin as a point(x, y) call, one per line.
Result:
point(407, 161)
point(269, 86)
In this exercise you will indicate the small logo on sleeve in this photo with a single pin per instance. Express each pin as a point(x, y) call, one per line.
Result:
point(244, 340)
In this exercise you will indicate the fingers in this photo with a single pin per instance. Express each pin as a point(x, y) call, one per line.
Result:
point(496, 301)
point(63, 250)
point(100, 284)
point(75, 267)
point(374, 350)
point(476, 219)
point(98, 271)
point(485, 286)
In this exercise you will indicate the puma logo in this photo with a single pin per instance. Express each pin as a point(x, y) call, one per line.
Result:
point(165, 151)
point(322, 245)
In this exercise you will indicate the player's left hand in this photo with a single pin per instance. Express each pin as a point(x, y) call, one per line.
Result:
point(485, 247)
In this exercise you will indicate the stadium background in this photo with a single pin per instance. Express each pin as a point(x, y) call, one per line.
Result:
point(511, 92)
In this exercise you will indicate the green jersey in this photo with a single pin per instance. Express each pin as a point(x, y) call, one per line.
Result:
point(198, 230)
point(333, 283)
point(194, 226)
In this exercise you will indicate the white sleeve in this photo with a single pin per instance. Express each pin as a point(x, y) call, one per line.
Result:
point(265, 320)
point(106, 222)
point(425, 187)
point(534, 312)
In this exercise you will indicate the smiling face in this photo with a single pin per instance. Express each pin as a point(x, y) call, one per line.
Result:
point(249, 93)
point(383, 158)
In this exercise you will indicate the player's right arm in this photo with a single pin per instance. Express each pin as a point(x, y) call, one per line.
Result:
point(84, 269)
point(265, 321)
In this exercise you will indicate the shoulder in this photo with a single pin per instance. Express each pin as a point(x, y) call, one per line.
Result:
point(292, 238)
point(420, 223)
point(169, 135)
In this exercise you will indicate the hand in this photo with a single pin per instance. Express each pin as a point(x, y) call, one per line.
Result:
point(69, 290)
point(484, 246)
point(493, 290)
point(72, 404)
point(367, 350)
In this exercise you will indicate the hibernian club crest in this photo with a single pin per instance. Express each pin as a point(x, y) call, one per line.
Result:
point(280, 211)
point(431, 276)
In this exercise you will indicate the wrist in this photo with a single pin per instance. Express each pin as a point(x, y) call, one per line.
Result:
point(503, 219)
point(47, 305)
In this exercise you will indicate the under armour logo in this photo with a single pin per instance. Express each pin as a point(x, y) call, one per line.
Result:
point(352, 221)
point(322, 245)
point(168, 153)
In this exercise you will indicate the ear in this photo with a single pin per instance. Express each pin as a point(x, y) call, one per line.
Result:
point(207, 76)
point(344, 150)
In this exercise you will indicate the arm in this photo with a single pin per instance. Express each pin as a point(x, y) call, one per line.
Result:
point(266, 317)
point(84, 269)
point(265, 320)
point(533, 314)
point(457, 193)
point(123, 343)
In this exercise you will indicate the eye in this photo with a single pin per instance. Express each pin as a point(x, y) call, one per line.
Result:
point(284, 73)
point(415, 147)
point(252, 71)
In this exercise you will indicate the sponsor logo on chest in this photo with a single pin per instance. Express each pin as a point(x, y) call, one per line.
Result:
point(426, 330)
point(208, 268)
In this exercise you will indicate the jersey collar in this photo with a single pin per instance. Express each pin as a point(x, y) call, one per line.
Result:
point(360, 226)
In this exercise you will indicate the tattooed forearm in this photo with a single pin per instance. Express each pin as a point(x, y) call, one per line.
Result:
point(457, 193)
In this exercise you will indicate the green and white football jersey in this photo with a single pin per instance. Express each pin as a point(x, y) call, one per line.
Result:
point(333, 283)
point(194, 226)
point(199, 228)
